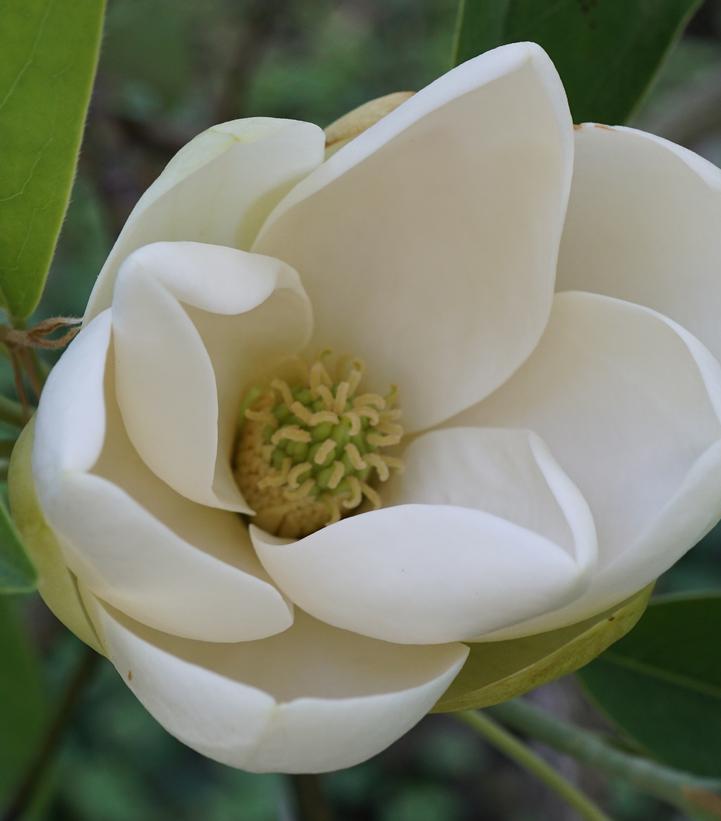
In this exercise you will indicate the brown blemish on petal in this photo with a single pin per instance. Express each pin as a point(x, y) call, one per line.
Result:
point(130, 675)
point(604, 127)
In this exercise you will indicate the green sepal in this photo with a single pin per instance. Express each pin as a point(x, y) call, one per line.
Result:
point(56, 583)
point(496, 671)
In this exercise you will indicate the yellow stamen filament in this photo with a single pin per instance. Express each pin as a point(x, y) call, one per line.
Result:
point(380, 441)
point(336, 475)
point(355, 422)
point(260, 416)
point(356, 375)
point(393, 462)
point(355, 457)
point(319, 417)
point(389, 427)
point(281, 386)
point(296, 472)
point(318, 376)
point(369, 413)
point(341, 396)
point(374, 399)
point(324, 451)
point(371, 494)
point(327, 397)
point(301, 412)
point(292, 433)
point(356, 496)
point(278, 479)
point(376, 461)
point(301, 492)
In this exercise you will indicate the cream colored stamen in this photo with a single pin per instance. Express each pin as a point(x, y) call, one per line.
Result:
point(311, 451)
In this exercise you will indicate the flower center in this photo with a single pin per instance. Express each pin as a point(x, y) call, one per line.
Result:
point(311, 450)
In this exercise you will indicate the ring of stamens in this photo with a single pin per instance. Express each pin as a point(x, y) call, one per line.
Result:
point(311, 450)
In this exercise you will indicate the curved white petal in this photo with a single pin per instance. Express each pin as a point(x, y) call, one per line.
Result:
point(485, 530)
point(311, 699)
point(217, 189)
point(629, 403)
point(643, 225)
point(169, 562)
point(428, 244)
point(194, 325)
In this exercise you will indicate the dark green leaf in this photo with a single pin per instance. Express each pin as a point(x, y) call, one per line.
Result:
point(607, 52)
point(49, 52)
point(499, 670)
point(22, 701)
point(17, 574)
point(662, 683)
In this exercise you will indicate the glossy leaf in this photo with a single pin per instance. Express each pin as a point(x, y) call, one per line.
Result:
point(501, 670)
point(606, 52)
point(49, 53)
point(23, 713)
point(662, 683)
point(17, 574)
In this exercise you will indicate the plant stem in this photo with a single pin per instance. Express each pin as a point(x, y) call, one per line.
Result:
point(700, 796)
point(526, 758)
point(12, 412)
point(35, 773)
point(310, 802)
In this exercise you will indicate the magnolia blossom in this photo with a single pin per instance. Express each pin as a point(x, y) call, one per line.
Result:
point(284, 551)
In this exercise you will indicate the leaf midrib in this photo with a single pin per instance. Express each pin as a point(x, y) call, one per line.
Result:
point(677, 679)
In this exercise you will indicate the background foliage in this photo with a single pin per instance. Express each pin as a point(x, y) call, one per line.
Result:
point(168, 69)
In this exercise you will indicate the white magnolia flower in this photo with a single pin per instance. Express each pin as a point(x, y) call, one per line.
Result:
point(536, 295)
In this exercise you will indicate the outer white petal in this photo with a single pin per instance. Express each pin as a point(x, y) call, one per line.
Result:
point(217, 189)
point(486, 531)
point(644, 224)
point(194, 325)
point(428, 244)
point(311, 699)
point(630, 404)
point(167, 561)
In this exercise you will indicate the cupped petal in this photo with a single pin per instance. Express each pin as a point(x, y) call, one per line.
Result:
point(166, 561)
point(428, 244)
point(643, 225)
point(311, 699)
point(194, 325)
point(218, 189)
point(630, 403)
point(484, 530)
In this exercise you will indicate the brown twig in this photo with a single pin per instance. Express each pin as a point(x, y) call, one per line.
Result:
point(42, 335)
point(310, 801)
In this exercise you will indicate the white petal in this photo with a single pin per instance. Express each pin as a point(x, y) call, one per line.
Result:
point(167, 561)
point(629, 403)
point(487, 531)
point(644, 225)
point(311, 699)
point(428, 244)
point(217, 189)
point(194, 325)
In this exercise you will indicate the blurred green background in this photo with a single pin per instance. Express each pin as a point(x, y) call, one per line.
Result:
point(169, 69)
